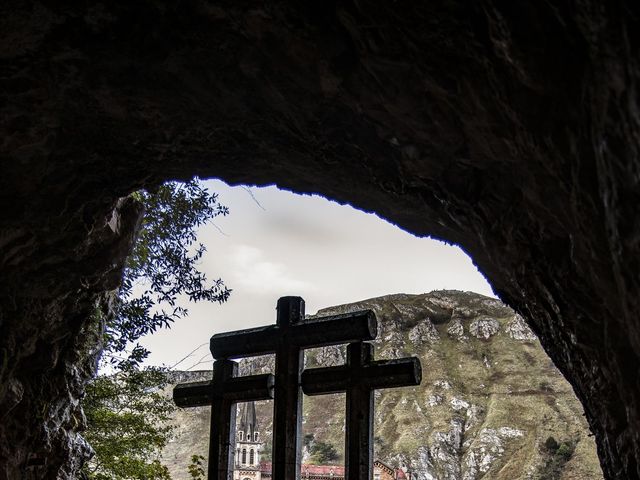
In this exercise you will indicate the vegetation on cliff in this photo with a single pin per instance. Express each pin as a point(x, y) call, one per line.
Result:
point(489, 399)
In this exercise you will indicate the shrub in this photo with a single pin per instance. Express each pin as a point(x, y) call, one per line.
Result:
point(558, 454)
point(323, 453)
point(551, 444)
point(565, 451)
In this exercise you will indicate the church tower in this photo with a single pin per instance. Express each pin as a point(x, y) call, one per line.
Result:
point(248, 445)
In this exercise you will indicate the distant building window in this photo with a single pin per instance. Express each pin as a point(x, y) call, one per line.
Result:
point(255, 435)
point(240, 435)
point(244, 456)
point(251, 457)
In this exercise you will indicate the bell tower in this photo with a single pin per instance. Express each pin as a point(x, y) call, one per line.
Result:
point(248, 445)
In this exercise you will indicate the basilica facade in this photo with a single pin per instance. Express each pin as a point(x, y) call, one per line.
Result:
point(249, 466)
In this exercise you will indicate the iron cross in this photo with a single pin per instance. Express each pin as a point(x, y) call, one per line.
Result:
point(222, 393)
point(287, 339)
point(359, 378)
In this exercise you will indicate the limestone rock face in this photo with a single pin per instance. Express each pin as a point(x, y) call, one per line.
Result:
point(509, 128)
point(464, 422)
point(484, 328)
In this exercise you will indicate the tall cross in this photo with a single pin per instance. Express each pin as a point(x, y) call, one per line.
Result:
point(359, 377)
point(287, 339)
point(222, 393)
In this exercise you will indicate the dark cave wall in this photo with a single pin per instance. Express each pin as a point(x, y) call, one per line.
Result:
point(50, 324)
point(509, 128)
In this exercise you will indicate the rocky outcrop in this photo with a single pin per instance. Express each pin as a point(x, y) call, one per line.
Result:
point(50, 343)
point(510, 129)
point(466, 421)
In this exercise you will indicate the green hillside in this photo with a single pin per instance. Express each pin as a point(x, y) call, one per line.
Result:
point(491, 404)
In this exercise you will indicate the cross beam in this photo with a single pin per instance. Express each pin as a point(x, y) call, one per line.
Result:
point(287, 339)
point(222, 393)
point(359, 377)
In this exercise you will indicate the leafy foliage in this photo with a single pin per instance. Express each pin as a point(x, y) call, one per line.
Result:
point(323, 453)
point(267, 448)
point(163, 267)
point(308, 439)
point(196, 467)
point(127, 416)
point(558, 454)
point(126, 412)
point(551, 444)
point(565, 450)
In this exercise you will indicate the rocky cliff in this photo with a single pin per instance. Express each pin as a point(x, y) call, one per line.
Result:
point(489, 402)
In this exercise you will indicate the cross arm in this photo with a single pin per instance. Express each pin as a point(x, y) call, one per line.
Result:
point(239, 389)
point(336, 329)
point(328, 330)
point(403, 372)
point(248, 342)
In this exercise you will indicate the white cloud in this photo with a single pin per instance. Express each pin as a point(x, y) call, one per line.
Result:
point(254, 274)
point(307, 246)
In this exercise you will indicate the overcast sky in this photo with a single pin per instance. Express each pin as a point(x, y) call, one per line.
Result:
point(286, 244)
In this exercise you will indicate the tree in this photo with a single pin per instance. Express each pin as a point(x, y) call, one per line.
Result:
point(163, 266)
point(126, 412)
point(322, 452)
point(127, 425)
point(196, 467)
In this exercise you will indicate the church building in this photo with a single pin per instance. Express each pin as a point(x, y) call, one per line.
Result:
point(248, 445)
point(248, 465)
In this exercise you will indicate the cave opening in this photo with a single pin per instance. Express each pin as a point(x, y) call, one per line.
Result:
point(489, 388)
point(276, 243)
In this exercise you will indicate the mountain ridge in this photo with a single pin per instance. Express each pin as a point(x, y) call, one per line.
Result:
point(489, 402)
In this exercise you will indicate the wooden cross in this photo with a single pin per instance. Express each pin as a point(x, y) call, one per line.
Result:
point(359, 377)
point(287, 339)
point(222, 393)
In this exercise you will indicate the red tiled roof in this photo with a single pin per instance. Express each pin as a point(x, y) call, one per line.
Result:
point(265, 467)
point(322, 469)
point(311, 469)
